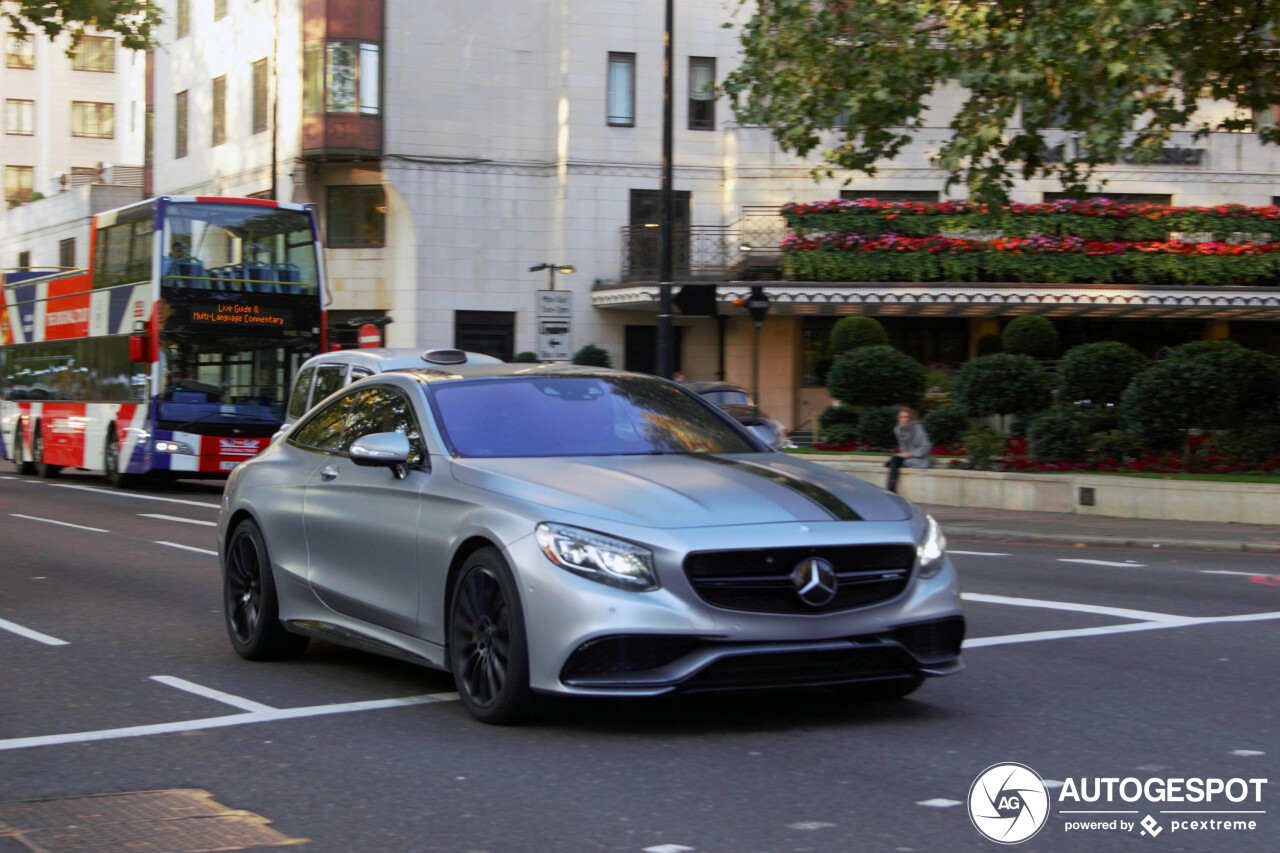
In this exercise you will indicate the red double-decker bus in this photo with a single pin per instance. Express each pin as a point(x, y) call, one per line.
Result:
point(172, 354)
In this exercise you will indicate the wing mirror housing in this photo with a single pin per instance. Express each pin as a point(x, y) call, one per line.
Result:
point(382, 450)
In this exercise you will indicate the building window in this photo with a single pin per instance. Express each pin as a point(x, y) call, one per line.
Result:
point(94, 53)
point(219, 110)
point(351, 76)
point(67, 253)
point(219, 9)
point(488, 332)
point(24, 259)
point(19, 117)
point(18, 181)
point(260, 83)
point(356, 216)
point(622, 90)
point(182, 17)
point(928, 196)
point(97, 121)
point(180, 125)
point(21, 52)
point(702, 93)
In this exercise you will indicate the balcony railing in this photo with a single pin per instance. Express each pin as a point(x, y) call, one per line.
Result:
point(705, 252)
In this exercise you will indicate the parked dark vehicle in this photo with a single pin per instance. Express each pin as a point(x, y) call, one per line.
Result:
point(577, 531)
point(737, 402)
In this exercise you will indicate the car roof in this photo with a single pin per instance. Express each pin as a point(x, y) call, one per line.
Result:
point(383, 359)
point(702, 387)
point(506, 370)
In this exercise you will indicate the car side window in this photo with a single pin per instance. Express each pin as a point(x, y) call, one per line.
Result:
point(383, 409)
point(323, 430)
point(301, 388)
point(359, 373)
point(329, 378)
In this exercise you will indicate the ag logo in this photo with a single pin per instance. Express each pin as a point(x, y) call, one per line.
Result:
point(1008, 803)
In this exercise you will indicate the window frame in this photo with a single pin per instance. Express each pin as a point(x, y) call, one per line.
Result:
point(67, 251)
point(707, 96)
point(218, 112)
point(103, 114)
point(182, 18)
point(24, 60)
point(9, 105)
point(181, 126)
point(18, 194)
point(625, 60)
point(219, 9)
point(357, 193)
point(103, 59)
point(261, 75)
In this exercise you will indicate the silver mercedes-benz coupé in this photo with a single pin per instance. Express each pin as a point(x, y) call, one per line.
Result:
point(578, 531)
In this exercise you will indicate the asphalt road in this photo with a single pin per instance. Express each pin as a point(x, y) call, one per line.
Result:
point(116, 676)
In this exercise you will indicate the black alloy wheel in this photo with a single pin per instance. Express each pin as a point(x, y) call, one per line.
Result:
point(37, 453)
point(24, 467)
point(487, 644)
point(249, 600)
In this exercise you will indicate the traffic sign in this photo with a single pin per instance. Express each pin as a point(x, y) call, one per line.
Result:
point(369, 336)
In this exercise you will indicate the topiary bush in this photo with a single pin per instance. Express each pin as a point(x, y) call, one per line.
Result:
point(1031, 335)
point(526, 357)
point(876, 376)
point(945, 426)
point(1097, 372)
point(853, 332)
point(1000, 384)
point(876, 427)
point(989, 345)
point(593, 356)
point(836, 425)
point(1058, 434)
point(983, 445)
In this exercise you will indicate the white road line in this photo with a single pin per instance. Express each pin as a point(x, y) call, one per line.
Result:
point(1104, 563)
point(186, 547)
point(1175, 622)
point(177, 518)
point(10, 478)
point(59, 523)
point(31, 635)
point(1118, 612)
point(976, 553)
point(135, 495)
point(223, 722)
point(1225, 572)
point(210, 693)
point(938, 803)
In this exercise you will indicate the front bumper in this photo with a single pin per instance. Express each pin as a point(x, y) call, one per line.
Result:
point(589, 639)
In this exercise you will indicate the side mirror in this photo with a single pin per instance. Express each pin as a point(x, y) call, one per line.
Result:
point(766, 434)
point(382, 450)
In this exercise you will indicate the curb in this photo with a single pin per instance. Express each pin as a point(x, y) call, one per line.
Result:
point(988, 534)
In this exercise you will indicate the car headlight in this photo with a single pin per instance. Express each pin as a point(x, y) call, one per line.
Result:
point(163, 446)
point(932, 550)
point(598, 557)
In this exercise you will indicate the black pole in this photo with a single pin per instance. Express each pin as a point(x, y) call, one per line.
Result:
point(664, 365)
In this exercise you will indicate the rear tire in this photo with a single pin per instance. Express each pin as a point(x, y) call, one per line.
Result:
point(111, 462)
point(249, 600)
point(488, 649)
point(37, 454)
point(24, 467)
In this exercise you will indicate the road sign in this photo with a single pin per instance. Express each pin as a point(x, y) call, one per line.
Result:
point(758, 304)
point(555, 325)
point(369, 336)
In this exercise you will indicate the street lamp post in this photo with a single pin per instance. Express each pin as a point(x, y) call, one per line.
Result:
point(552, 269)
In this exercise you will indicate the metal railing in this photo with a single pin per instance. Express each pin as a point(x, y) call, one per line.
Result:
point(702, 252)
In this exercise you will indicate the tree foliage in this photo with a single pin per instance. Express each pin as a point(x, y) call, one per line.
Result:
point(1032, 335)
point(134, 22)
point(1000, 384)
point(876, 376)
point(592, 356)
point(1098, 372)
point(856, 331)
point(855, 79)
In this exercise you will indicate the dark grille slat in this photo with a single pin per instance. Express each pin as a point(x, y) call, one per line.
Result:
point(759, 580)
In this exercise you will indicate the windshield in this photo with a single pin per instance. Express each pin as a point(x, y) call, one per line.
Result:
point(580, 416)
point(727, 398)
point(246, 248)
point(212, 383)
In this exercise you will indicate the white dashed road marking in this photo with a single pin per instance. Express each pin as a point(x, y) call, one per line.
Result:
point(31, 635)
point(669, 848)
point(976, 553)
point(134, 495)
point(187, 547)
point(59, 523)
point(178, 519)
point(1104, 563)
point(1118, 612)
point(210, 693)
point(939, 803)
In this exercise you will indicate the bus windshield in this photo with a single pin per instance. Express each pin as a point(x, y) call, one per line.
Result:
point(215, 382)
point(242, 248)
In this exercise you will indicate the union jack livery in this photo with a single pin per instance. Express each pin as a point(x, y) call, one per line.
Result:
point(173, 352)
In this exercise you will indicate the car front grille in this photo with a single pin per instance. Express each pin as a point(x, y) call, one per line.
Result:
point(784, 669)
point(760, 580)
point(625, 654)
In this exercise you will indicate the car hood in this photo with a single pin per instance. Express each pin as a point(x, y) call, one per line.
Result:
point(686, 490)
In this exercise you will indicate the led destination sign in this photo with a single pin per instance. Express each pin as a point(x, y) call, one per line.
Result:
point(244, 315)
point(238, 313)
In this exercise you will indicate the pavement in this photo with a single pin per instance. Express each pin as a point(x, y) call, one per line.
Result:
point(1103, 532)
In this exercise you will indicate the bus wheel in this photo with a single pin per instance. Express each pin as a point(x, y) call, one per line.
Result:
point(37, 454)
point(24, 467)
point(111, 462)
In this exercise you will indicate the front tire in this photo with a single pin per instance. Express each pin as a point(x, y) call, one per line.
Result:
point(24, 467)
point(488, 649)
point(37, 452)
point(249, 600)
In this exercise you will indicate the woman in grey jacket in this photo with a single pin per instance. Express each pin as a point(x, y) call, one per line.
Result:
point(913, 446)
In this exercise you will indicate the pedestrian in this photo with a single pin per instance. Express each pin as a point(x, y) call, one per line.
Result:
point(913, 446)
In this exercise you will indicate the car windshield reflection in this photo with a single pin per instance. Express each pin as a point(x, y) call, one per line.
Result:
point(580, 416)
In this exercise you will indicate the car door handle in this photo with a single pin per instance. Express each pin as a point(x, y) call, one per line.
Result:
point(329, 472)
